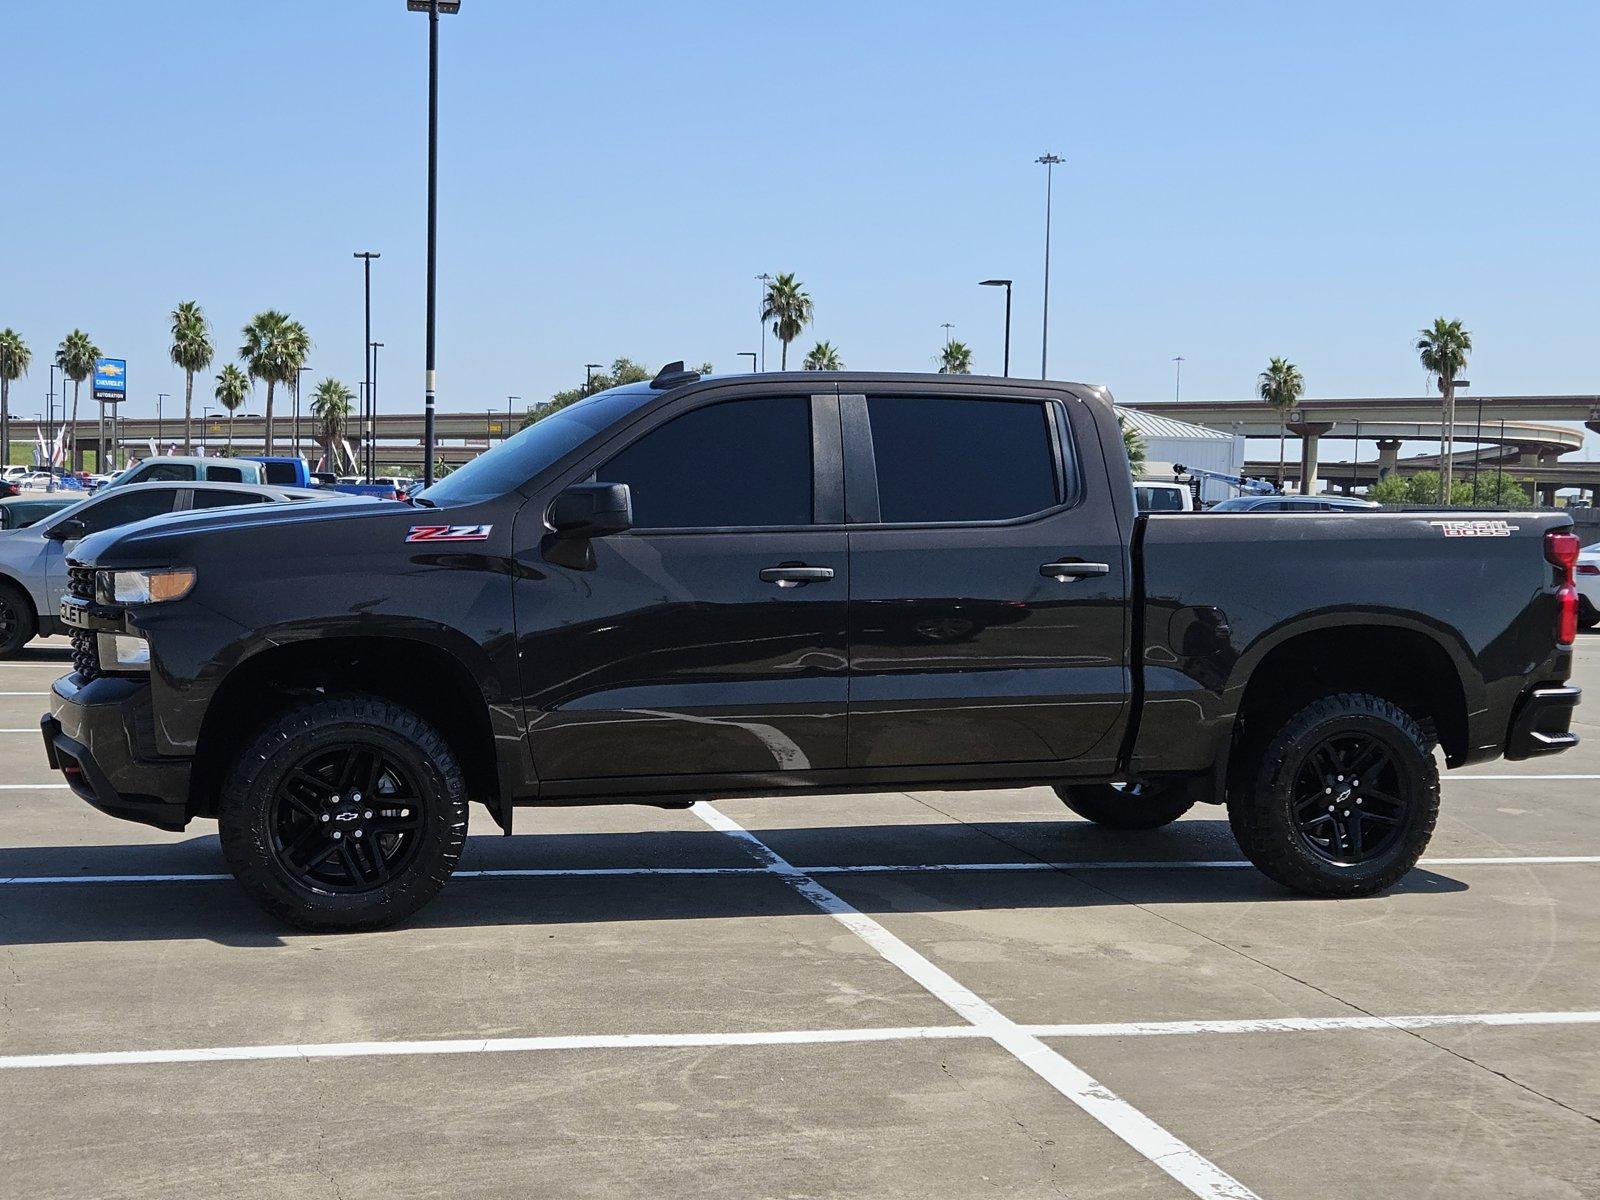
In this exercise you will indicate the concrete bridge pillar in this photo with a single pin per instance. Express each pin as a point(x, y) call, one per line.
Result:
point(1388, 456)
point(1309, 432)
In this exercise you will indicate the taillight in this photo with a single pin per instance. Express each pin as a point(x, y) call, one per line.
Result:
point(1561, 548)
point(1588, 568)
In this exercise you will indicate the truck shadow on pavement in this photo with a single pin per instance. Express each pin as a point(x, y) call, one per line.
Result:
point(218, 911)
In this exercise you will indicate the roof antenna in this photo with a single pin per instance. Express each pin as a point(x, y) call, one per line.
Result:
point(673, 375)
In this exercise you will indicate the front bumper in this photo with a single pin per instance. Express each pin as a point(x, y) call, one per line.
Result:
point(1542, 722)
point(94, 736)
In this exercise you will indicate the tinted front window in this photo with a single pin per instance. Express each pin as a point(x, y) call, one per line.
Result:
point(745, 463)
point(159, 472)
point(949, 460)
point(122, 507)
point(224, 474)
point(517, 460)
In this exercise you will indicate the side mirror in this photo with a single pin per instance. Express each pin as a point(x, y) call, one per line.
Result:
point(591, 510)
point(69, 530)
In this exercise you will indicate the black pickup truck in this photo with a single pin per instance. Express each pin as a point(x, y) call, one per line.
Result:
point(799, 583)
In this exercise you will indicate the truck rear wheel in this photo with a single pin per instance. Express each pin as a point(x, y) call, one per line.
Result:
point(345, 813)
point(1344, 798)
point(1127, 805)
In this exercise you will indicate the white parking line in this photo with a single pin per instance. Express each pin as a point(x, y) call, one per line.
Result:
point(34, 731)
point(1518, 778)
point(41, 694)
point(1531, 860)
point(1184, 1164)
point(32, 787)
point(783, 1037)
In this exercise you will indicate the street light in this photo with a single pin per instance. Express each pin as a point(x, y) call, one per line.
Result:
point(761, 321)
point(372, 404)
point(160, 396)
point(588, 377)
point(1177, 380)
point(433, 8)
point(299, 371)
point(1050, 161)
point(947, 327)
point(366, 257)
point(751, 355)
point(509, 400)
point(1005, 283)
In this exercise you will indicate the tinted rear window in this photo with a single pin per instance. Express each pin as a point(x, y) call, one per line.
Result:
point(952, 460)
point(281, 473)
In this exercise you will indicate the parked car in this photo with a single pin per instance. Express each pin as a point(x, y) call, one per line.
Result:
point(1588, 575)
point(27, 510)
point(33, 560)
point(1300, 504)
point(177, 468)
point(15, 473)
point(293, 472)
point(8, 488)
point(798, 584)
point(1153, 496)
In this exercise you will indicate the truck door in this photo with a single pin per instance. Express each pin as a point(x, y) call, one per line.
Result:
point(710, 638)
point(988, 585)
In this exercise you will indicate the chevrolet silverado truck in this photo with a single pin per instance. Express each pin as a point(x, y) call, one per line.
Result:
point(797, 584)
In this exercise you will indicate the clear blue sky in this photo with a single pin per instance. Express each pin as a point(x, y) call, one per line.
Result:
point(1241, 180)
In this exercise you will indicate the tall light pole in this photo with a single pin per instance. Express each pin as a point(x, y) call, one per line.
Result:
point(1050, 162)
point(160, 396)
point(751, 355)
point(947, 327)
point(433, 8)
point(1177, 380)
point(588, 377)
point(509, 400)
point(1005, 283)
point(372, 404)
point(299, 371)
point(50, 428)
point(366, 257)
point(764, 279)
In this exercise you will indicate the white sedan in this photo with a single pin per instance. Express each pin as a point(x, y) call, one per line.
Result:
point(1589, 587)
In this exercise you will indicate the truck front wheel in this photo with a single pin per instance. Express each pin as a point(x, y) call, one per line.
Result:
point(1127, 806)
point(1344, 798)
point(345, 813)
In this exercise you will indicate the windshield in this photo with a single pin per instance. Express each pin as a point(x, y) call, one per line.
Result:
point(515, 461)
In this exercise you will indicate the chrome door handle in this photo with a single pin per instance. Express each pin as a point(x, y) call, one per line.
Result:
point(795, 574)
point(1063, 571)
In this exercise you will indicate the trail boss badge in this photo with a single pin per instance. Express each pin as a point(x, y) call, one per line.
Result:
point(449, 533)
point(1475, 528)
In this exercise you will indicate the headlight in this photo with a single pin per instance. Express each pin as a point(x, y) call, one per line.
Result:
point(147, 587)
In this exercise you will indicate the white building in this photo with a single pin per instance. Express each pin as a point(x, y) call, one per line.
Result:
point(1168, 442)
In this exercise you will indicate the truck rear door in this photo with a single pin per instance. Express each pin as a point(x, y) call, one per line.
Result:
point(988, 585)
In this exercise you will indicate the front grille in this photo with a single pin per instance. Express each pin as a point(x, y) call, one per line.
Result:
point(85, 645)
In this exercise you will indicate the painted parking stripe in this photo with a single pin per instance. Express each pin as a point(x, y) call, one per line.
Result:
point(1172, 1155)
point(39, 694)
point(785, 1037)
point(851, 869)
point(1516, 778)
point(32, 787)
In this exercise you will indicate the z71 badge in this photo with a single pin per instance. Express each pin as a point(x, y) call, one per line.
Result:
point(1475, 528)
point(449, 533)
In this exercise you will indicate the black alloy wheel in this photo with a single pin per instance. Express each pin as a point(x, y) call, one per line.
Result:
point(16, 621)
point(1350, 803)
point(346, 819)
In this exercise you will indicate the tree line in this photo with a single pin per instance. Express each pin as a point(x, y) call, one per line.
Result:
point(274, 347)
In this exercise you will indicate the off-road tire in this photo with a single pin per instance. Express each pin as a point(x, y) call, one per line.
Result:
point(1263, 812)
point(325, 724)
point(17, 625)
point(1127, 806)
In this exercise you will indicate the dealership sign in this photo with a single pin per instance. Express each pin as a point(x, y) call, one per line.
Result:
point(110, 379)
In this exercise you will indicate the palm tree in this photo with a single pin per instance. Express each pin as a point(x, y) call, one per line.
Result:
point(788, 308)
point(823, 357)
point(955, 359)
point(75, 356)
point(14, 359)
point(275, 348)
point(1443, 350)
point(330, 405)
point(233, 385)
point(191, 351)
point(1133, 443)
point(1281, 385)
